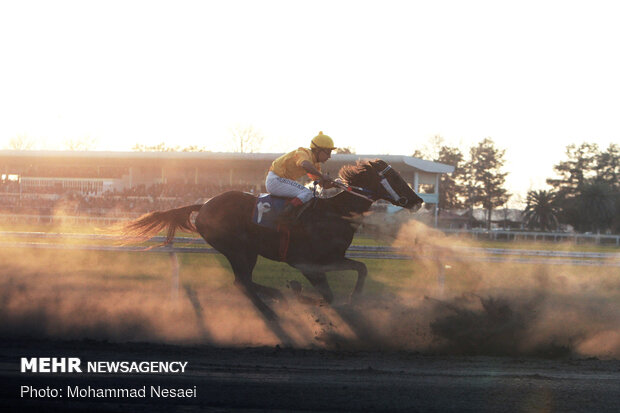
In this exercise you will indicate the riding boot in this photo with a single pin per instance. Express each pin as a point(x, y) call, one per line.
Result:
point(289, 213)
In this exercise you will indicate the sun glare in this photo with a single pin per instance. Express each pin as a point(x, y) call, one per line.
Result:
point(382, 79)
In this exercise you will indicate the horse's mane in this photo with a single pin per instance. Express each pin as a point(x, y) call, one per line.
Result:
point(348, 173)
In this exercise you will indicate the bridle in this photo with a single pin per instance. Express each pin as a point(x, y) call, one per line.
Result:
point(373, 196)
point(400, 200)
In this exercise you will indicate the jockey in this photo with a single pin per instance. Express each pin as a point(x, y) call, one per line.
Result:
point(284, 171)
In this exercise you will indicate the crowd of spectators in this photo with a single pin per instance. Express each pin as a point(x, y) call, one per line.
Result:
point(70, 171)
point(7, 186)
point(129, 202)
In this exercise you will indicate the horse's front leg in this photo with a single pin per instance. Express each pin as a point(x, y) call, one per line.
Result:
point(343, 264)
point(362, 272)
point(319, 282)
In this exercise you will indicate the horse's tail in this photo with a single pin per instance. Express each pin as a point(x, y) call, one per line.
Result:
point(148, 225)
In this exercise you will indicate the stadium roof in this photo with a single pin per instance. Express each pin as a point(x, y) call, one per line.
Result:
point(420, 164)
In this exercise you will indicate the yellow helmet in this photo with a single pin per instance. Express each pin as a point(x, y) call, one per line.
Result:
point(322, 141)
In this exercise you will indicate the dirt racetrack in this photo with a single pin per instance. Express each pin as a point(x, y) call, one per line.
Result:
point(277, 379)
point(500, 337)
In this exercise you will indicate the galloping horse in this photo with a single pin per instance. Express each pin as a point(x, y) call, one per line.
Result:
point(317, 241)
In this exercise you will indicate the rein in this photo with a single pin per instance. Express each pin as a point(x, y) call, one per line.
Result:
point(350, 189)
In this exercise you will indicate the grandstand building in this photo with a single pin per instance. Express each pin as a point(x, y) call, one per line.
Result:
point(97, 173)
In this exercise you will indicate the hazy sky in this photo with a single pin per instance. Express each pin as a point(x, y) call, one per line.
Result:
point(379, 76)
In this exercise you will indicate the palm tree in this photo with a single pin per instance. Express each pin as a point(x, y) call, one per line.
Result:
point(540, 211)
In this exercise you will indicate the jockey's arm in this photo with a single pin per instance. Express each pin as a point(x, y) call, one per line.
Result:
point(324, 180)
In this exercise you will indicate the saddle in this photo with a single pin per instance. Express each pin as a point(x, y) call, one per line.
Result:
point(268, 208)
point(266, 213)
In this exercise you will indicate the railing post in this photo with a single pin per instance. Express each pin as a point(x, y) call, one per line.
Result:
point(174, 263)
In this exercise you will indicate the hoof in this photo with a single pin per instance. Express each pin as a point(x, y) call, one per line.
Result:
point(295, 286)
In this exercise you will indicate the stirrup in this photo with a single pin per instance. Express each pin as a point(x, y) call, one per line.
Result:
point(289, 214)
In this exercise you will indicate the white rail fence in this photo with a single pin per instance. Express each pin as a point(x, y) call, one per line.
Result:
point(495, 235)
point(197, 245)
point(441, 256)
point(504, 235)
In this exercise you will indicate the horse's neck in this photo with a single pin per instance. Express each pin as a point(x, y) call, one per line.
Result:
point(348, 204)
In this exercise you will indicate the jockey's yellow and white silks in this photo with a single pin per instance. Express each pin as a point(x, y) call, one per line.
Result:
point(276, 185)
point(289, 165)
point(281, 179)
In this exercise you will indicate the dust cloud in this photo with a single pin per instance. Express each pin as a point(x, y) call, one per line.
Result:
point(510, 308)
point(435, 303)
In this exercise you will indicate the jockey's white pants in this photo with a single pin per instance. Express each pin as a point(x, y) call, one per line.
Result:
point(279, 186)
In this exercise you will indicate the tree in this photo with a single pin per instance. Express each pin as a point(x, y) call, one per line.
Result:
point(594, 208)
point(345, 150)
point(608, 173)
point(162, 147)
point(21, 143)
point(451, 189)
point(540, 211)
point(194, 148)
point(608, 166)
point(485, 180)
point(588, 188)
point(575, 172)
point(85, 143)
point(615, 223)
point(431, 150)
point(246, 139)
point(471, 193)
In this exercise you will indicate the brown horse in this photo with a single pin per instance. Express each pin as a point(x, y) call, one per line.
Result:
point(318, 240)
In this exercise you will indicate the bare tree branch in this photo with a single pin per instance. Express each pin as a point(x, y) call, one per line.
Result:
point(21, 143)
point(246, 139)
point(80, 144)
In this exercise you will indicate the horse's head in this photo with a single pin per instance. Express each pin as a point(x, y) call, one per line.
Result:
point(383, 182)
